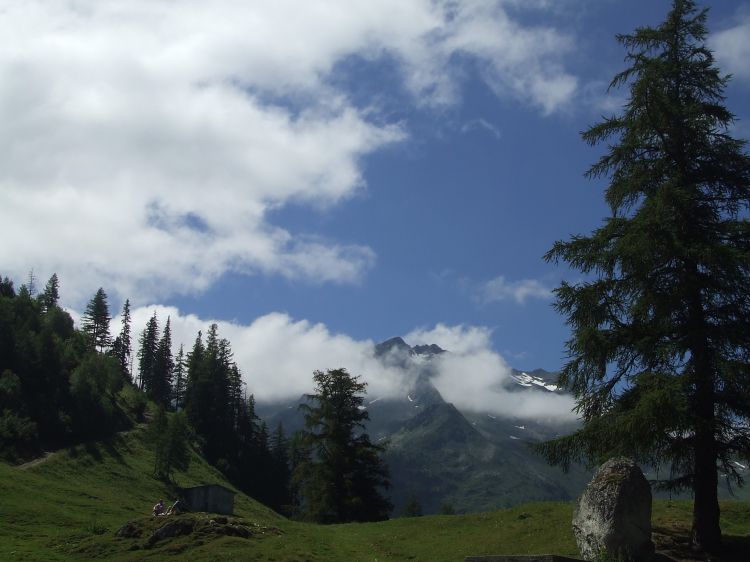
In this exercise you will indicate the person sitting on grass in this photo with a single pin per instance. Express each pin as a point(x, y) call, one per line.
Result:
point(159, 509)
point(176, 508)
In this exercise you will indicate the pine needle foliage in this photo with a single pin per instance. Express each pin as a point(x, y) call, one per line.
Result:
point(659, 358)
point(95, 321)
point(342, 474)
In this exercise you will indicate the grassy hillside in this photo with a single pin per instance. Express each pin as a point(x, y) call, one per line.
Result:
point(51, 508)
point(69, 507)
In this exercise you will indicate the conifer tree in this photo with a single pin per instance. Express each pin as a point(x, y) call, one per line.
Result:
point(228, 430)
point(157, 432)
point(96, 321)
point(39, 350)
point(342, 479)
point(235, 390)
point(170, 437)
point(6, 287)
point(280, 447)
point(280, 475)
point(51, 293)
point(23, 293)
point(194, 375)
point(248, 422)
point(147, 354)
point(160, 389)
point(31, 283)
point(180, 379)
point(208, 402)
point(263, 442)
point(660, 346)
point(250, 459)
point(124, 347)
point(300, 456)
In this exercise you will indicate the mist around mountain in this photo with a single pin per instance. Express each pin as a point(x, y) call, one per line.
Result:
point(443, 455)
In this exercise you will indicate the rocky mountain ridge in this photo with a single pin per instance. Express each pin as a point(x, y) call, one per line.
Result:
point(471, 460)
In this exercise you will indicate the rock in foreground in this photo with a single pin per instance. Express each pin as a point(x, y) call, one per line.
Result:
point(614, 513)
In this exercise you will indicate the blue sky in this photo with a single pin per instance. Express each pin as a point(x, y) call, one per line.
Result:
point(354, 170)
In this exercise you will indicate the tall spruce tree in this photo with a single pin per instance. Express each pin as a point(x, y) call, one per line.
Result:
point(280, 476)
point(343, 477)
point(160, 389)
point(208, 403)
point(51, 293)
point(147, 354)
point(96, 321)
point(660, 346)
point(124, 348)
point(180, 379)
point(193, 395)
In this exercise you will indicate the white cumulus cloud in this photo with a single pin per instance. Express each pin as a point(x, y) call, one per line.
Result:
point(732, 47)
point(500, 289)
point(144, 143)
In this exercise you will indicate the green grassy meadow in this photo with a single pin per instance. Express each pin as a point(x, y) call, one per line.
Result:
point(70, 506)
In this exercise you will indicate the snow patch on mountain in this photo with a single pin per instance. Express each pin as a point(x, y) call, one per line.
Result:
point(463, 369)
point(527, 380)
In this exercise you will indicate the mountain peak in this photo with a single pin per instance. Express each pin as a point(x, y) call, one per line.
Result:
point(398, 345)
point(431, 349)
point(391, 344)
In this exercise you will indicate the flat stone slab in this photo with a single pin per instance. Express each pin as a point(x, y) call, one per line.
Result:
point(522, 558)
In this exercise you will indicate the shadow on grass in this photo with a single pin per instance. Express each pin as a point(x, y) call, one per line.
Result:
point(674, 544)
point(95, 449)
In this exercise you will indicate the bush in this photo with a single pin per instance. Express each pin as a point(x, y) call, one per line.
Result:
point(134, 401)
point(19, 437)
point(412, 507)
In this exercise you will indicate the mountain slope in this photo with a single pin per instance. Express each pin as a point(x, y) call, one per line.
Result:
point(442, 458)
point(69, 507)
point(61, 506)
point(472, 460)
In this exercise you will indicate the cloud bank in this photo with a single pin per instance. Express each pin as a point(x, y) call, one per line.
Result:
point(144, 143)
point(277, 356)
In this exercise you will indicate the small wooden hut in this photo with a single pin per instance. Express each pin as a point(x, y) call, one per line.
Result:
point(213, 498)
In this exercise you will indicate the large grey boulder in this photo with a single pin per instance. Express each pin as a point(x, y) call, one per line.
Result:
point(614, 513)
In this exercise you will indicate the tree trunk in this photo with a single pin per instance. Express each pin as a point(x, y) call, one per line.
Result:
point(706, 532)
